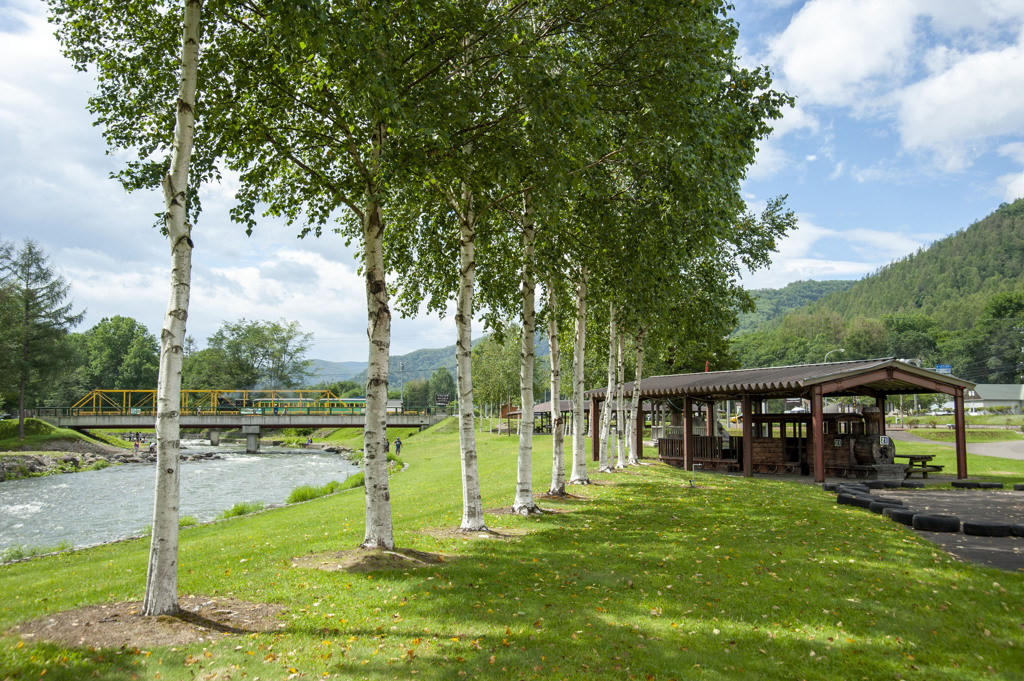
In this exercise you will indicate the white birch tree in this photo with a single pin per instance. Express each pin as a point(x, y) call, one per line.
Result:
point(524, 503)
point(636, 418)
point(620, 410)
point(579, 456)
point(606, 406)
point(162, 576)
point(557, 487)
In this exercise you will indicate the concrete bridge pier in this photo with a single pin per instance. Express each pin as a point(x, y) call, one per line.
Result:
point(214, 436)
point(252, 439)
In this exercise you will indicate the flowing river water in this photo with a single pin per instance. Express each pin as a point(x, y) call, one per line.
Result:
point(91, 507)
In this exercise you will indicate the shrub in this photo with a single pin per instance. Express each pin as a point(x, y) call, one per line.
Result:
point(352, 481)
point(307, 492)
point(21, 552)
point(188, 521)
point(242, 508)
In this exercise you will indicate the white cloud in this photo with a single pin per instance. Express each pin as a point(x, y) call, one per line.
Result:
point(953, 113)
point(1012, 184)
point(772, 159)
point(840, 52)
point(879, 246)
point(804, 254)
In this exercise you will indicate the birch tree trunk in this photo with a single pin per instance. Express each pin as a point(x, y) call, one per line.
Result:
point(557, 422)
point(606, 408)
point(579, 461)
point(162, 575)
point(620, 407)
point(524, 503)
point(636, 420)
point(379, 532)
point(472, 506)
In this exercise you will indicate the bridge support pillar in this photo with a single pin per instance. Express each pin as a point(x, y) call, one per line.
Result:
point(214, 437)
point(252, 439)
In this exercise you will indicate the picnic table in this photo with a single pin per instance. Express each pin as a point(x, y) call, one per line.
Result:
point(919, 463)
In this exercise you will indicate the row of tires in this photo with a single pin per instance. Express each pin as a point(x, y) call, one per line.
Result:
point(916, 484)
point(858, 494)
point(971, 484)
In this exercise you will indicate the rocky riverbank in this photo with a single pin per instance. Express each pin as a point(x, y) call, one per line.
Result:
point(72, 457)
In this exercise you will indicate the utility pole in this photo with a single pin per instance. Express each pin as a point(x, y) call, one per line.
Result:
point(401, 369)
point(1020, 365)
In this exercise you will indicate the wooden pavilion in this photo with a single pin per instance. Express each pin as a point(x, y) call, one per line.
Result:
point(543, 418)
point(813, 443)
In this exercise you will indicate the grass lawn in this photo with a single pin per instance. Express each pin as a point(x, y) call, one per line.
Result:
point(353, 437)
point(949, 435)
point(641, 577)
point(989, 468)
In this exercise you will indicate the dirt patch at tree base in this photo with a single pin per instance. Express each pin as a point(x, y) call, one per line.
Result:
point(370, 560)
point(505, 534)
point(562, 497)
point(121, 625)
point(507, 510)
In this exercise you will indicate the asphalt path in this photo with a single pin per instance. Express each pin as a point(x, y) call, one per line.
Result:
point(1006, 553)
point(1011, 449)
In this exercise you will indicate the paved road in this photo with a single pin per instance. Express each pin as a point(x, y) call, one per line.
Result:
point(1013, 449)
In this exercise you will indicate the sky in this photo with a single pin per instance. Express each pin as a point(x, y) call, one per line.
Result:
point(908, 126)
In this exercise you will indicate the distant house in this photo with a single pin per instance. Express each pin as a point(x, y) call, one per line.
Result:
point(990, 396)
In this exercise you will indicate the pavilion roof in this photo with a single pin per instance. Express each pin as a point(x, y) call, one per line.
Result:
point(858, 377)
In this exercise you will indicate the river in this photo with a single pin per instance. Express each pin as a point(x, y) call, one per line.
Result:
point(117, 502)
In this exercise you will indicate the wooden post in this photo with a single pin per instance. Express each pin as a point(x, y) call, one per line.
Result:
point(817, 436)
point(639, 426)
point(687, 433)
point(961, 434)
point(880, 403)
point(748, 437)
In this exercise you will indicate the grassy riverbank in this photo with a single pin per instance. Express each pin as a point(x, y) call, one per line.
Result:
point(41, 436)
point(640, 576)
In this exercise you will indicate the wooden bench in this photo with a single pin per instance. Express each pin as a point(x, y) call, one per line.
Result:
point(923, 470)
point(919, 463)
point(714, 464)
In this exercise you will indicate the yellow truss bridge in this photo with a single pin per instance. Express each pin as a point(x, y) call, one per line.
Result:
point(247, 402)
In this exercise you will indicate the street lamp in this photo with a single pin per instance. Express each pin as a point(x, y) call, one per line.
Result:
point(831, 351)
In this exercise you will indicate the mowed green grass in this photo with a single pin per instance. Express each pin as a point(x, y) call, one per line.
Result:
point(987, 468)
point(639, 577)
point(976, 435)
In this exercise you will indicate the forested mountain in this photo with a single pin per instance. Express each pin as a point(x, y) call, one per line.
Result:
point(323, 370)
point(773, 303)
point(420, 364)
point(950, 280)
point(960, 302)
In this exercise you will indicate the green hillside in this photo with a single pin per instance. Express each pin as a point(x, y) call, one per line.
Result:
point(959, 302)
point(774, 303)
point(951, 280)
